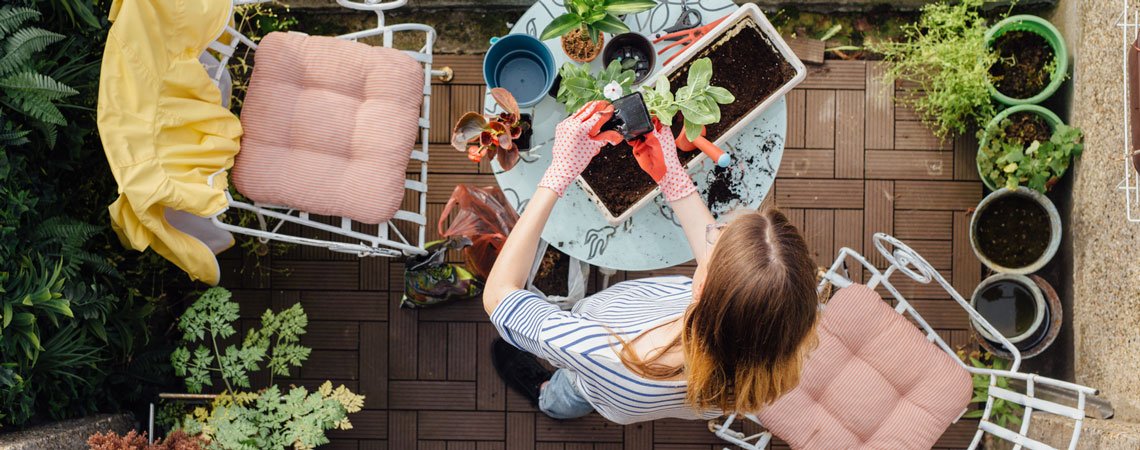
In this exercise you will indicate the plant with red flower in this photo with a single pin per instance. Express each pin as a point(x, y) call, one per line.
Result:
point(491, 136)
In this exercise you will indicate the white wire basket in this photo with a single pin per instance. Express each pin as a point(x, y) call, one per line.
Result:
point(1129, 24)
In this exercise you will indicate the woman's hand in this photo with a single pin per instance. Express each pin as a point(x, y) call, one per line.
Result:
point(575, 144)
point(676, 183)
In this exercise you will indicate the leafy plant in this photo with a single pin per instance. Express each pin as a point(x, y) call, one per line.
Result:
point(491, 136)
point(1009, 163)
point(697, 101)
point(946, 56)
point(579, 86)
point(269, 418)
point(23, 89)
point(1002, 413)
point(594, 16)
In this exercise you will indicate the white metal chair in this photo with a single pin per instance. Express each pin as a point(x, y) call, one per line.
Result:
point(387, 240)
point(902, 259)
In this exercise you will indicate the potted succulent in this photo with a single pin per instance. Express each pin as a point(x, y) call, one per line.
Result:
point(634, 52)
point(1015, 230)
point(577, 86)
point(1032, 60)
point(1026, 145)
point(493, 136)
point(582, 25)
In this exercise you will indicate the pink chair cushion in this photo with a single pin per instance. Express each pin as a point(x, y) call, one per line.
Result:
point(329, 126)
point(873, 382)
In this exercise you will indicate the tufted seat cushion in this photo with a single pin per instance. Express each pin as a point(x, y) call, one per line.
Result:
point(329, 126)
point(874, 382)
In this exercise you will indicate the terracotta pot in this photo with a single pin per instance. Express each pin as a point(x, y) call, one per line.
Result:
point(576, 34)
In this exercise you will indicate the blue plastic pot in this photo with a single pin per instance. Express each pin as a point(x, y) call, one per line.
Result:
point(521, 64)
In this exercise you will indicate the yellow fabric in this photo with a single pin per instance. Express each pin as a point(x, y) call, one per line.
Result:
point(163, 127)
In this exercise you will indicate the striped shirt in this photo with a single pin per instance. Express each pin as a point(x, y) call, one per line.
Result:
point(581, 341)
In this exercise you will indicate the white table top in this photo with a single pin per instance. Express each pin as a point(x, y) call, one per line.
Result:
point(652, 238)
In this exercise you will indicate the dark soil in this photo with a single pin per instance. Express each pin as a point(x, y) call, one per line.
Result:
point(721, 189)
point(1013, 231)
point(553, 273)
point(1027, 127)
point(578, 46)
point(748, 65)
point(1021, 73)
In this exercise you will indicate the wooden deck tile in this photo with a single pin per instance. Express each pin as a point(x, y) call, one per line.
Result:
point(431, 445)
point(324, 275)
point(443, 158)
point(402, 337)
point(797, 110)
point(462, 445)
point(795, 217)
point(909, 165)
point(819, 232)
point(904, 112)
point(471, 426)
point(464, 99)
point(374, 274)
point(880, 112)
point(432, 351)
point(808, 50)
point(937, 253)
point(331, 364)
point(367, 425)
point(592, 428)
point(436, 395)
point(819, 193)
point(836, 74)
point(848, 233)
point(325, 335)
point(373, 444)
point(520, 431)
point(820, 119)
point(468, 69)
point(878, 216)
point(941, 195)
point(849, 140)
point(966, 158)
point(490, 445)
point(684, 432)
point(916, 136)
point(462, 351)
point(807, 163)
point(441, 120)
point(401, 429)
point(374, 364)
point(639, 436)
point(923, 224)
point(490, 390)
point(441, 185)
point(967, 268)
point(335, 305)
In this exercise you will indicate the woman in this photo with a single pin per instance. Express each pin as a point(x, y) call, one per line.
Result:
point(732, 338)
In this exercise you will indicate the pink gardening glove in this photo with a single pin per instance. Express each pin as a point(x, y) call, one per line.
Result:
point(576, 141)
point(676, 184)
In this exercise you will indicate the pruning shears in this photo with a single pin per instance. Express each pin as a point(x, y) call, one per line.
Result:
point(685, 38)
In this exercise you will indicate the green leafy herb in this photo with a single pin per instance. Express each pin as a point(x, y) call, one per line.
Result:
point(594, 16)
point(1008, 163)
point(580, 87)
point(697, 101)
point(1002, 413)
point(946, 56)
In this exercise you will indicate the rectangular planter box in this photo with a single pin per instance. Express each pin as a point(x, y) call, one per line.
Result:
point(747, 15)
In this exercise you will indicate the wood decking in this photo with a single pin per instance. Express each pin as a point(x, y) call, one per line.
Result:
point(855, 164)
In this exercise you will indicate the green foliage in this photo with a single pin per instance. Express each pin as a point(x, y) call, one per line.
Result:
point(240, 419)
point(594, 17)
point(1009, 163)
point(23, 90)
point(945, 54)
point(579, 86)
point(1002, 413)
point(697, 101)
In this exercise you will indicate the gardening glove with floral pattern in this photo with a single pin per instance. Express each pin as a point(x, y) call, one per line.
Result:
point(576, 140)
point(656, 154)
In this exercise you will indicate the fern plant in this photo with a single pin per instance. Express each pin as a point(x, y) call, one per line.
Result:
point(269, 418)
point(23, 90)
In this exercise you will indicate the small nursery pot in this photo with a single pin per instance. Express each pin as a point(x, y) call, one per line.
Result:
point(631, 117)
point(1047, 31)
point(520, 64)
point(998, 197)
point(992, 127)
point(523, 142)
point(631, 45)
point(1012, 304)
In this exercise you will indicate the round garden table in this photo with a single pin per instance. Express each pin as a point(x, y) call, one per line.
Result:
point(652, 237)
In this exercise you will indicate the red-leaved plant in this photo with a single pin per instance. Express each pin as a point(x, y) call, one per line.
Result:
point(491, 136)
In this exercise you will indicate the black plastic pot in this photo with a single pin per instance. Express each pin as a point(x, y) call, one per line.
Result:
point(631, 117)
point(631, 46)
point(553, 92)
point(523, 142)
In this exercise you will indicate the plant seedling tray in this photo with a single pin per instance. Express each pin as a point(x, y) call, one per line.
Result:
point(748, 15)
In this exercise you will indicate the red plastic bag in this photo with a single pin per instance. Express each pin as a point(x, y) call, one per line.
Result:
point(483, 216)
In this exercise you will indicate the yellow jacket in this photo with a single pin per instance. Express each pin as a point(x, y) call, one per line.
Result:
point(164, 130)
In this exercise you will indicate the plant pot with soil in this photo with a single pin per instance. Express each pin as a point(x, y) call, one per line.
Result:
point(1026, 145)
point(1015, 231)
point(1033, 60)
point(558, 277)
point(634, 52)
point(582, 25)
point(1024, 309)
point(749, 59)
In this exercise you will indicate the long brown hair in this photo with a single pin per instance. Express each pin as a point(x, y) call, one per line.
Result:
point(744, 340)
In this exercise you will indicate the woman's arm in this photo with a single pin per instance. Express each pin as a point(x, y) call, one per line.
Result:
point(517, 256)
point(695, 217)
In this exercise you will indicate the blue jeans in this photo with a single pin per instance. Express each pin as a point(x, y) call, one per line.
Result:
point(559, 399)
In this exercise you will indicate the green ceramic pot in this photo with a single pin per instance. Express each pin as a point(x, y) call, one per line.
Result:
point(992, 126)
point(1046, 30)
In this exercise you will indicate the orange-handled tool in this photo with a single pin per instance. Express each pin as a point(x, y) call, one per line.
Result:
point(714, 153)
point(685, 38)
